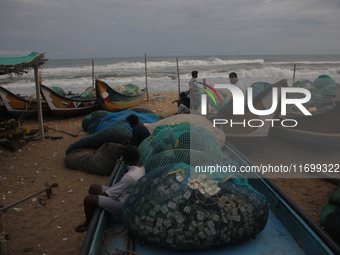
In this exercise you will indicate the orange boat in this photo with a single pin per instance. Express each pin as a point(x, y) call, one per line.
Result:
point(112, 100)
point(67, 106)
point(17, 105)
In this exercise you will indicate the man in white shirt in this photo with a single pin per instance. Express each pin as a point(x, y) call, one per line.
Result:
point(234, 80)
point(195, 96)
point(112, 198)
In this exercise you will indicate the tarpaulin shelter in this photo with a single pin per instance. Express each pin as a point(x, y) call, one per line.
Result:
point(21, 65)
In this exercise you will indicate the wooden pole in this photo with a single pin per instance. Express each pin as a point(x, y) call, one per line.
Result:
point(38, 95)
point(179, 81)
point(294, 73)
point(92, 73)
point(146, 80)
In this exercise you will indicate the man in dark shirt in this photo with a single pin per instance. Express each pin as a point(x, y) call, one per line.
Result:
point(139, 131)
point(183, 103)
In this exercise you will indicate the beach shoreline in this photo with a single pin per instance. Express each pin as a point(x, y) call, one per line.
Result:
point(46, 226)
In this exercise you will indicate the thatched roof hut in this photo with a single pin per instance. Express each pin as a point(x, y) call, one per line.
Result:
point(20, 65)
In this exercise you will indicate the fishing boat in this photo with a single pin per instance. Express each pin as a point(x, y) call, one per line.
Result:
point(241, 129)
point(321, 128)
point(112, 100)
point(288, 229)
point(18, 105)
point(67, 105)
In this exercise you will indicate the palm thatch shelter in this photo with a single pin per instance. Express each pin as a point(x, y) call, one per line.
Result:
point(21, 65)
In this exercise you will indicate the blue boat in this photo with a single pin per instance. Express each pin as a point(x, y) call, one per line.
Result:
point(288, 229)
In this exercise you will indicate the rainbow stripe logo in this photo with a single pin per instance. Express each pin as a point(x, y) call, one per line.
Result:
point(209, 93)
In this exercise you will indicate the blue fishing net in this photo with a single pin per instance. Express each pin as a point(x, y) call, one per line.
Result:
point(91, 121)
point(119, 119)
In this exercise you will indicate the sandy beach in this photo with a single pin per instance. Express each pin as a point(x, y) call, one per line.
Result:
point(46, 226)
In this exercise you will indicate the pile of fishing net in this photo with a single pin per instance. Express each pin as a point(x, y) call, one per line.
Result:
point(99, 162)
point(59, 91)
point(107, 132)
point(323, 92)
point(108, 127)
point(330, 215)
point(89, 93)
point(128, 89)
point(196, 120)
point(175, 207)
point(175, 143)
point(110, 134)
point(180, 205)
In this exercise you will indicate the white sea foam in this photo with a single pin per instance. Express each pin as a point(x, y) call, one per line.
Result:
point(76, 75)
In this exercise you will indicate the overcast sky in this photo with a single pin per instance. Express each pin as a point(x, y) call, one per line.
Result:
point(124, 28)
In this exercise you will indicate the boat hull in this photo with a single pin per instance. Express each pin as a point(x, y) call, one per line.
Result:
point(111, 100)
point(17, 106)
point(288, 229)
point(64, 106)
point(320, 129)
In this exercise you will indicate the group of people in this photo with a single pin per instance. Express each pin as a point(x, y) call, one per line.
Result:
point(112, 198)
point(189, 104)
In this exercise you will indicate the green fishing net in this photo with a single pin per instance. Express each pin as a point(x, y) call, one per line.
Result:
point(174, 207)
point(323, 92)
point(183, 142)
point(128, 89)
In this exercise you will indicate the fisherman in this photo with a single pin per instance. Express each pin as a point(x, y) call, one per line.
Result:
point(112, 198)
point(195, 97)
point(234, 80)
point(183, 103)
point(139, 131)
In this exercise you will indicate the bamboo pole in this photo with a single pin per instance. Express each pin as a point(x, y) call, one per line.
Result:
point(294, 73)
point(179, 81)
point(92, 73)
point(38, 95)
point(146, 80)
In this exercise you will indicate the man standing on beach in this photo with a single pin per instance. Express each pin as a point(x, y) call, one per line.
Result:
point(234, 80)
point(194, 92)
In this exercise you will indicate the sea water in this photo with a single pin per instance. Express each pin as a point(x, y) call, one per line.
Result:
point(76, 74)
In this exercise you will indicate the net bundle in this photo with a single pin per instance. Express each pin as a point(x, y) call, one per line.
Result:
point(323, 93)
point(177, 208)
point(179, 143)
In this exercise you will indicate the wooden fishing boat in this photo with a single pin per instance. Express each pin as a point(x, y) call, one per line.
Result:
point(67, 106)
point(288, 229)
point(111, 100)
point(321, 128)
point(250, 128)
point(17, 105)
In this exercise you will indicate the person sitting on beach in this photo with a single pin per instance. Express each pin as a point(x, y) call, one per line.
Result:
point(183, 103)
point(139, 131)
point(112, 198)
point(195, 96)
point(234, 80)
